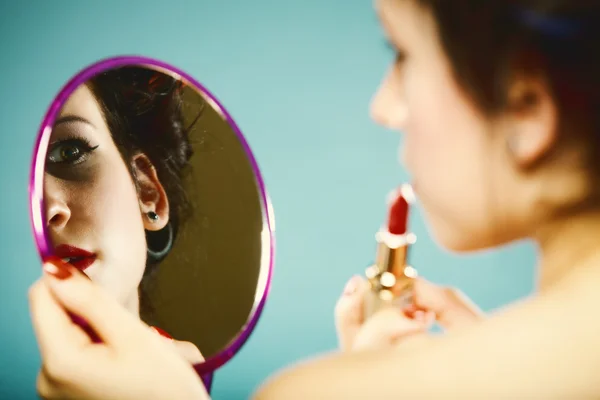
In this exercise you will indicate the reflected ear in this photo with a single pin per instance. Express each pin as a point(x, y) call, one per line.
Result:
point(532, 118)
point(151, 193)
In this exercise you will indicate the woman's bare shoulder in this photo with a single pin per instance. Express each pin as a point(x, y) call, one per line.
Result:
point(546, 347)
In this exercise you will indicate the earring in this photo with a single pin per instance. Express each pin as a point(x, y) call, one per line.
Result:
point(159, 243)
point(152, 216)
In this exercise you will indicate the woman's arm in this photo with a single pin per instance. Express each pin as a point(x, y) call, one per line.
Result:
point(548, 347)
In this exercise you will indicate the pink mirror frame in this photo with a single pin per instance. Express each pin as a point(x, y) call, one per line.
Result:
point(37, 209)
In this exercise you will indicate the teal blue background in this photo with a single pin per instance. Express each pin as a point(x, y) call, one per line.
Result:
point(297, 76)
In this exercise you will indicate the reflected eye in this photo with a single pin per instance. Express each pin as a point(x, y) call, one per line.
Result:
point(70, 151)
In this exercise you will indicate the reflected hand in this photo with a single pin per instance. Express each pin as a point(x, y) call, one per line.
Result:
point(130, 363)
point(449, 307)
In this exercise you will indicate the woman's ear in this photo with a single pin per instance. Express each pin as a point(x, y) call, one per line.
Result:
point(531, 120)
point(151, 194)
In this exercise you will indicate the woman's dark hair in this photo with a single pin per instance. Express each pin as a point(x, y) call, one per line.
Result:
point(487, 40)
point(143, 109)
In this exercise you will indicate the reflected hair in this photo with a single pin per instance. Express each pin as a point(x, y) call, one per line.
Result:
point(143, 109)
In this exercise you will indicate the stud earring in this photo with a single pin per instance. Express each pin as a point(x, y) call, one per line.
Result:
point(152, 216)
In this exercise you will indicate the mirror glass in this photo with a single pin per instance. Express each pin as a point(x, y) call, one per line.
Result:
point(143, 181)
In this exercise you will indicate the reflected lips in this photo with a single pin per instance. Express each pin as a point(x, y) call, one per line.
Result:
point(79, 258)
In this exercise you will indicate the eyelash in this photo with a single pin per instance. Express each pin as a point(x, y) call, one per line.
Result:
point(80, 143)
point(400, 57)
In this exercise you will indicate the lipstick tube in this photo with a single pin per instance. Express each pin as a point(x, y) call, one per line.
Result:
point(390, 277)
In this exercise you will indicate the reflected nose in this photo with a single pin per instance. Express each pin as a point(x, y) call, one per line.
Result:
point(57, 211)
point(388, 108)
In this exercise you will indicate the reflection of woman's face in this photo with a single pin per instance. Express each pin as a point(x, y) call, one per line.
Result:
point(92, 202)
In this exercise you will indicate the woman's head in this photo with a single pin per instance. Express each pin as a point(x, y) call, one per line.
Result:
point(115, 164)
point(499, 103)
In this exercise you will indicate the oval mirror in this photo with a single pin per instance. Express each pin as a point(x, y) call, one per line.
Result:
point(142, 180)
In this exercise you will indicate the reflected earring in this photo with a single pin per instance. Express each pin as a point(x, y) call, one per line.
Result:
point(152, 216)
point(160, 243)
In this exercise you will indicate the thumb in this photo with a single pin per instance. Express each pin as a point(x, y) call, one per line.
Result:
point(349, 311)
point(80, 296)
point(386, 327)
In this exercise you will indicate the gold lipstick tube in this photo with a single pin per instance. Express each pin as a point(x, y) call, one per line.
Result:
point(390, 278)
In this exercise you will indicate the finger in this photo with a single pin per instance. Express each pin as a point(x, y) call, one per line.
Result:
point(79, 295)
point(55, 332)
point(451, 307)
point(188, 351)
point(386, 327)
point(349, 311)
point(425, 317)
point(162, 336)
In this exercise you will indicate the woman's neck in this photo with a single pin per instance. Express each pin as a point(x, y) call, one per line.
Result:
point(569, 245)
point(133, 304)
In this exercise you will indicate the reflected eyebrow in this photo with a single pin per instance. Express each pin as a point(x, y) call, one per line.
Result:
point(72, 118)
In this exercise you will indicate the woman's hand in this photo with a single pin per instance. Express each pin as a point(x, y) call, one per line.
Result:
point(130, 363)
point(449, 307)
point(187, 350)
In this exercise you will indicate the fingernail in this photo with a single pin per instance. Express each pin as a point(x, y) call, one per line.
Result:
point(161, 332)
point(410, 310)
point(419, 316)
point(351, 286)
point(430, 317)
point(58, 268)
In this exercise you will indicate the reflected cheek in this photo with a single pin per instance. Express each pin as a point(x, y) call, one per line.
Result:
point(82, 199)
point(118, 206)
point(118, 193)
point(113, 211)
point(119, 231)
point(123, 244)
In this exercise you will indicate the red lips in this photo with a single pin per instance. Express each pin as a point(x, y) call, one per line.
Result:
point(79, 258)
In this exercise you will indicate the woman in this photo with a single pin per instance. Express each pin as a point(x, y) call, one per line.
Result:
point(517, 83)
point(499, 103)
point(113, 185)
